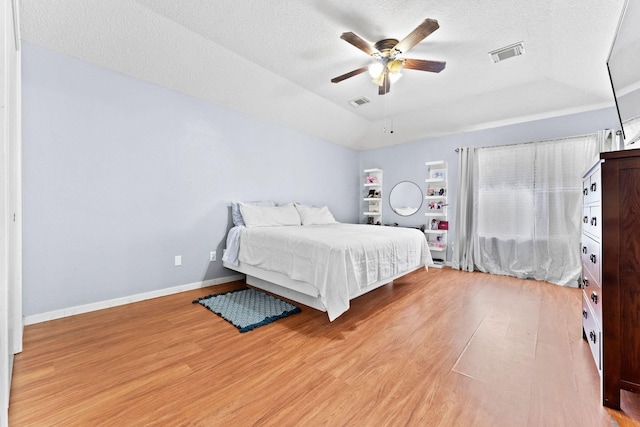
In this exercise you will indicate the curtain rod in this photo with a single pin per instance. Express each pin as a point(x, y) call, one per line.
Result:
point(457, 150)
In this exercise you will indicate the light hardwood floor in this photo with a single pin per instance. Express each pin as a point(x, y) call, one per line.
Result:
point(436, 348)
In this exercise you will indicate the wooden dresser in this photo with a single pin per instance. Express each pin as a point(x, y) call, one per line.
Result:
point(611, 271)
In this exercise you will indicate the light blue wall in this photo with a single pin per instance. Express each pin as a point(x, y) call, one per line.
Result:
point(121, 175)
point(407, 161)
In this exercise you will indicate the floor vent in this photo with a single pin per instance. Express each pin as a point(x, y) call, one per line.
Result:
point(359, 101)
point(507, 52)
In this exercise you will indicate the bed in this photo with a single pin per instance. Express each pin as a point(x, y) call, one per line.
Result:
point(303, 254)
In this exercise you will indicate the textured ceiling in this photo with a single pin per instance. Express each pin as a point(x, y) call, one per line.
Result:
point(274, 59)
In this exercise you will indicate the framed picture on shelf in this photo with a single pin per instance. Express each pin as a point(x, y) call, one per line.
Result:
point(438, 173)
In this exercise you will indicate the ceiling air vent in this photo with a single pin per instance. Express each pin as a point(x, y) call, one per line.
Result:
point(507, 52)
point(359, 101)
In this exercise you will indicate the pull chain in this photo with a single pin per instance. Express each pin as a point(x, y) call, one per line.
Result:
point(386, 116)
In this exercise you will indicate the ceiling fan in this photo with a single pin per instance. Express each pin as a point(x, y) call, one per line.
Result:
point(388, 58)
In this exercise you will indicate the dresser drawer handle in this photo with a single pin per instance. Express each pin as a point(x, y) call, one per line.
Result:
point(594, 221)
point(585, 191)
point(593, 187)
point(585, 314)
point(585, 283)
point(593, 336)
point(594, 297)
point(585, 219)
point(592, 257)
point(584, 250)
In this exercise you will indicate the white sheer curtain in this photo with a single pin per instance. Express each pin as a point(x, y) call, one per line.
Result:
point(462, 257)
point(527, 209)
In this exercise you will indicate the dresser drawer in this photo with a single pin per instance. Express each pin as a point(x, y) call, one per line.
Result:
point(589, 282)
point(593, 292)
point(591, 221)
point(591, 187)
point(592, 332)
point(591, 258)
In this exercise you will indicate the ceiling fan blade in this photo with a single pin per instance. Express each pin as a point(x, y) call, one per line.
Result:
point(427, 27)
point(349, 74)
point(385, 86)
point(358, 42)
point(424, 65)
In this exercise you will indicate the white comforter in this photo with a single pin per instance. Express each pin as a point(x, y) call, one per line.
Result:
point(339, 259)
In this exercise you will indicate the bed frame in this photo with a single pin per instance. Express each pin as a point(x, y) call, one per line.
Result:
point(295, 290)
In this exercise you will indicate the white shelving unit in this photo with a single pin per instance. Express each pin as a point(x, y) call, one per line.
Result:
point(373, 196)
point(437, 222)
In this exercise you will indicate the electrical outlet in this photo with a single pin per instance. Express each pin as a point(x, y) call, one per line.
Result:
point(178, 261)
point(212, 256)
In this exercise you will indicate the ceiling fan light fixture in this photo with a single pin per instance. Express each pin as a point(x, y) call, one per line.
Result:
point(395, 66)
point(376, 69)
point(379, 80)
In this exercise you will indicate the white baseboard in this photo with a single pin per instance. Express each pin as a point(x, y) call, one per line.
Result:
point(71, 311)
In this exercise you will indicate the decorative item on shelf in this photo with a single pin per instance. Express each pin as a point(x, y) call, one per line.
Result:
point(434, 224)
point(433, 191)
point(436, 206)
point(371, 179)
point(370, 220)
point(372, 194)
point(377, 194)
point(437, 173)
point(443, 225)
point(374, 207)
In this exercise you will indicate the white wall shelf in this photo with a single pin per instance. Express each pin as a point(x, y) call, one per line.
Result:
point(436, 197)
point(372, 199)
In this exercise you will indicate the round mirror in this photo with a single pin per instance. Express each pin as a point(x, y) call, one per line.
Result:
point(405, 198)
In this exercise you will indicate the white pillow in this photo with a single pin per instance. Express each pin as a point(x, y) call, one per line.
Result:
point(268, 216)
point(315, 216)
point(236, 215)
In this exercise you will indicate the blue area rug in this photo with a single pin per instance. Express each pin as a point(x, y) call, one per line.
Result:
point(247, 309)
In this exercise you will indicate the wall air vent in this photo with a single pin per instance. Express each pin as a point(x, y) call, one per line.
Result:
point(507, 52)
point(359, 101)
